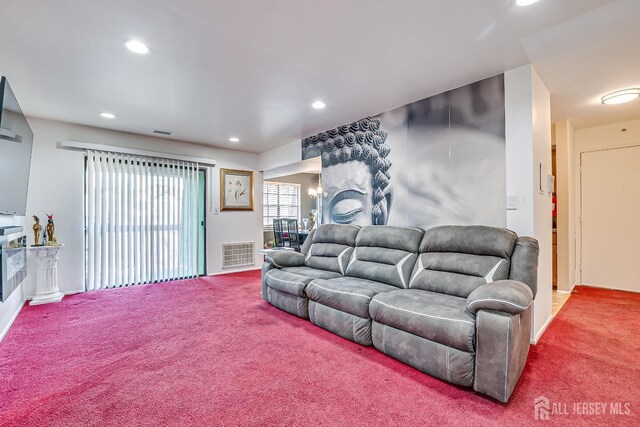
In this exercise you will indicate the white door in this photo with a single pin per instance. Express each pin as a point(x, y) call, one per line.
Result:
point(611, 218)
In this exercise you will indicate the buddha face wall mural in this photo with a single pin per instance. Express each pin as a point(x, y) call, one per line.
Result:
point(355, 173)
point(440, 160)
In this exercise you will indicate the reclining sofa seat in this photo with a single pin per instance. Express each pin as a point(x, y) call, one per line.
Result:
point(462, 320)
point(381, 262)
point(453, 302)
point(324, 255)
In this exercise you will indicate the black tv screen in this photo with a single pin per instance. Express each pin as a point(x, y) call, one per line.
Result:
point(16, 142)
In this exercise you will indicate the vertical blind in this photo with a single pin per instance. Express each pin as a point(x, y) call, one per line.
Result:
point(141, 219)
point(280, 200)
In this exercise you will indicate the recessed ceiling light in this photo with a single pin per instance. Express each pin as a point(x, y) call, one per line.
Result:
point(234, 139)
point(107, 115)
point(525, 2)
point(318, 105)
point(137, 46)
point(621, 96)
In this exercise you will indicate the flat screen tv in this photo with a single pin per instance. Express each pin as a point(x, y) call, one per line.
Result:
point(16, 142)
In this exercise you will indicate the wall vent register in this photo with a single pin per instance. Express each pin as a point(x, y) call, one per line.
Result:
point(238, 254)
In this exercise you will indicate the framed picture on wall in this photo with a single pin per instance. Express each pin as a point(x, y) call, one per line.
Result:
point(236, 190)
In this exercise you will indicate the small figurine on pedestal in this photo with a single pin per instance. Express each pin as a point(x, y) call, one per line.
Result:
point(37, 228)
point(312, 219)
point(51, 241)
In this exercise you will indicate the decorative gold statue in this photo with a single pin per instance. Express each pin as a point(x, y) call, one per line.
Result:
point(37, 228)
point(50, 229)
point(312, 220)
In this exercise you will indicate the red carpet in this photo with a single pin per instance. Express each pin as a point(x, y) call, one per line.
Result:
point(211, 352)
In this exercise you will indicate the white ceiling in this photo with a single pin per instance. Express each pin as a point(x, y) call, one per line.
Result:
point(251, 68)
point(589, 56)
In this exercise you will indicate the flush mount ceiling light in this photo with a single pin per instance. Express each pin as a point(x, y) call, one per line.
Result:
point(525, 2)
point(234, 139)
point(137, 46)
point(318, 105)
point(106, 115)
point(621, 96)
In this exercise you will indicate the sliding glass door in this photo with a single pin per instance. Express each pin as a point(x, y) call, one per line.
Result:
point(144, 220)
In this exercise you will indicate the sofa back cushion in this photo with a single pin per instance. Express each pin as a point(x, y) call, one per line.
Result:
point(385, 254)
point(455, 260)
point(331, 247)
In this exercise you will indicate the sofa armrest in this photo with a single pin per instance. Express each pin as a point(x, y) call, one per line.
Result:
point(506, 296)
point(286, 259)
point(266, 266)
point(502, 346)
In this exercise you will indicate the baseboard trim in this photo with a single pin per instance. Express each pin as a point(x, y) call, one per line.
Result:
point(220, 273)
point(633, 291)
point(13, 318)
point(546, 324)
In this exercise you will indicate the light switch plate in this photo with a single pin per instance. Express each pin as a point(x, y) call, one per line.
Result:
point(551, 183)
point(512, 202)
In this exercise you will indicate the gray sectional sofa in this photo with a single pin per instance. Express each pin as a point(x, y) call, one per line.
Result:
point(452, 301)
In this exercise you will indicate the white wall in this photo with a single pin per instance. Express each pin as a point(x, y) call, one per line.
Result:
point(566, 204)
point(528, 133)
point(57, 186)
point(281, 157)
point(592, 139)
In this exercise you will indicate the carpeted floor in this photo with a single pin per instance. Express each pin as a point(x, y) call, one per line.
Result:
point(212, 352)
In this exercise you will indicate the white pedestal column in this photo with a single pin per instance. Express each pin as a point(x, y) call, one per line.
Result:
point(47, 280)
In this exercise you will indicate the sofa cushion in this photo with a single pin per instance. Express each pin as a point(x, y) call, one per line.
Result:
point(456, 260)
point(456, 274)
point(286, 282)
point(436, 317)
point(329, 257)
point(407, 239)
point(348, 294)
point(385, 254)
point(313, 273)
point(342, 234)
point(470, 239)
point(331, 247)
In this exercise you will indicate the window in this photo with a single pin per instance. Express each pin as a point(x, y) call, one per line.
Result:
point(280, 200)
